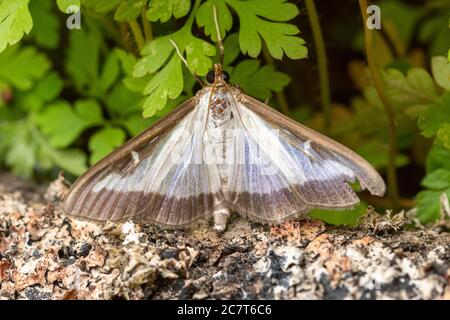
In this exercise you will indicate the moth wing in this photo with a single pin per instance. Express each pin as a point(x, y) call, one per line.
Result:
point(156, 177)
point(287, 168)
point(256, 187)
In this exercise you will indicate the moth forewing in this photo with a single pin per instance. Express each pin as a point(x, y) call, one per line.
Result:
point(93, 194)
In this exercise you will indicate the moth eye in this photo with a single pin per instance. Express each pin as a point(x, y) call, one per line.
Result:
point(226, 76)
point(210, 76)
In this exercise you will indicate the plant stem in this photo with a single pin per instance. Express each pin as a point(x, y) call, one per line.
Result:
point(148, 32)
point(137, 33)
point(191, 18)
point(324, 79)
point(123, 28)
point(406, 203)
point(280, 97)
point(112, 31)
point(377, 81)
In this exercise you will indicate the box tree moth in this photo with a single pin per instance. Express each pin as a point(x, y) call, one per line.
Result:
point(219, 152)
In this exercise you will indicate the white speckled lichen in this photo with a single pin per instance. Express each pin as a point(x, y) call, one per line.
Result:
point(45, 255)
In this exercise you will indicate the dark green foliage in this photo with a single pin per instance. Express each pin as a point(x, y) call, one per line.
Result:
point(69, 97)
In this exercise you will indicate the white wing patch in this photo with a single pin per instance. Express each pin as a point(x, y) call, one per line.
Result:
point(179, 151)
point(135, 157)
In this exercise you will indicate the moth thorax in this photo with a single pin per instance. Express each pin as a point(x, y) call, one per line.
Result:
point(220, 109)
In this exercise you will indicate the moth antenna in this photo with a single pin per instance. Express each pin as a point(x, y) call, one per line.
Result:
point(178, 52)
point(219, 37)
point(197, 78)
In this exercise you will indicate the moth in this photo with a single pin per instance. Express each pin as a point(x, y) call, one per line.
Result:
point(219, 152)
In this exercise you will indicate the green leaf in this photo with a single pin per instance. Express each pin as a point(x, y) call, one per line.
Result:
point(422, 82)
point(136, 84)
point(135, 124)
point(49, 87)
point(259, 82)
point(44, 159)
point(416, 88)
point(82, 62)
point(437, 180)
point(127, 59)
point(110, 72)
point(129, 10)
point(70, 160)
point(205, 18)
point(154, 55)
point(197, 55)
point(25, 150)
point(432, 32)
point(104, 141)
point(258, 19)
point(20, 155)
point(21, 67)
point(264, 19)
point(90, 111)
point(341, 217)
point(398, 21)
point(435, 117)
point(443, 135)
point(101, 6)
point(231, 49)
point(376, 152)
point(63, 124)
point(63, 5)
point(45, 91)
point(15, 21)
point(46, 24)
point(371, 95)
point(21, 158)
point(168, 83)
point(428, 205)
point(441, 71)
point(163, 9)
point(188, 86)
point(437, 158)
point(121, 101)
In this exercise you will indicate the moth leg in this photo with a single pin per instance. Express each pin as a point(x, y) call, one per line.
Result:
point(220, 219)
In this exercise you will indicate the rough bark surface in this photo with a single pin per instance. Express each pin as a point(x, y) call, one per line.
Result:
point(46, 255)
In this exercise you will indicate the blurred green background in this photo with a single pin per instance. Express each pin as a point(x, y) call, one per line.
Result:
point(69, 97)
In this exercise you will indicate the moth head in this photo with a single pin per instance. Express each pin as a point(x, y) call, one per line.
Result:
point(217, 75)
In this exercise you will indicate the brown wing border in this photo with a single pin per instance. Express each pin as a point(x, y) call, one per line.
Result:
point(373, 182)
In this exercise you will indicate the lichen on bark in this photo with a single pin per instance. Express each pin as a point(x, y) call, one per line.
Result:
point(46, 255)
